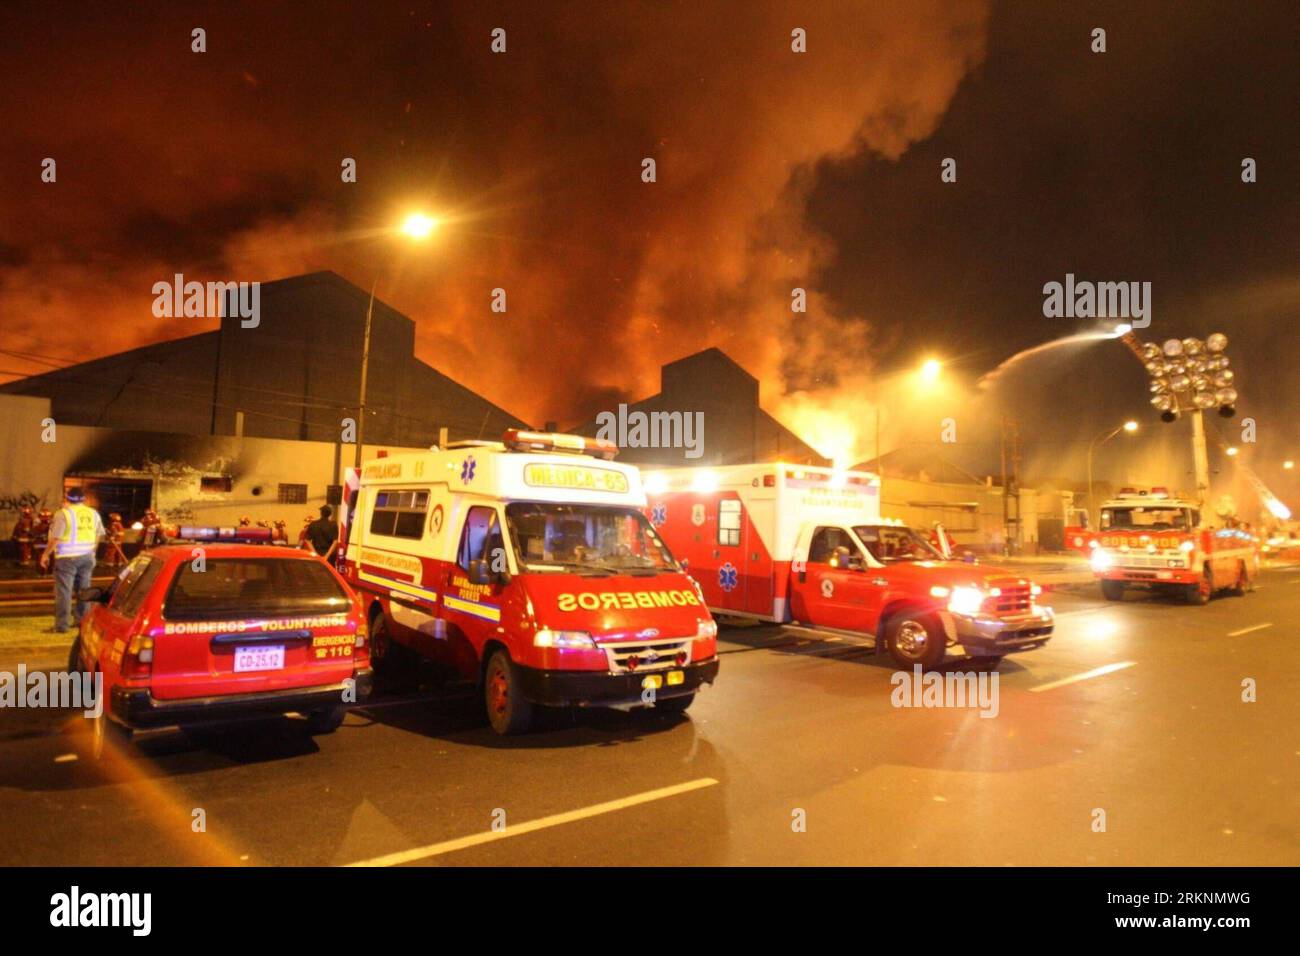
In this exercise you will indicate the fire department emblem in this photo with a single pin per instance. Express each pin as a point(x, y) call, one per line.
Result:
point(697, 515)
point(467, 469)
point(727, 576)
point(658, 515)
point(828, 587)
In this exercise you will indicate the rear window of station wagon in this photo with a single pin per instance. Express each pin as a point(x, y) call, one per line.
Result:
point(233, 588)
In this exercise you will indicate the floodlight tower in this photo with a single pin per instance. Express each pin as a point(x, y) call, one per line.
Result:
point(1188, 375)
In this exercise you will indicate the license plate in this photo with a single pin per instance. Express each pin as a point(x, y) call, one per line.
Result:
point(676, 677)
point(652, 680)
point(260, 658)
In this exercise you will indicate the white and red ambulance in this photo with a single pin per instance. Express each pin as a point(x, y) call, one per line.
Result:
point(789, 543)
point(528, 566)
point(1152, 539)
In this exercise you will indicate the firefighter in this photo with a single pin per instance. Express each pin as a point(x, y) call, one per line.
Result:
point(114, 556)
point(303, 543)
point(73, 538)
point(41, 532)
point(941, 540)
point(23, 535)
point(152, 529)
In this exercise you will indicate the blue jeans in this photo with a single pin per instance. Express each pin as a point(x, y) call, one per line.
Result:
point(70, 576)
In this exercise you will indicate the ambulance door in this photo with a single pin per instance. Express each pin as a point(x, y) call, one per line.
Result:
point(471, 591)
point(831, 588)
point(730, 553)
point(759, 569)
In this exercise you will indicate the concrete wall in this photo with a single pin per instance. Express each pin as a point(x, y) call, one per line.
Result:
point(971, 513)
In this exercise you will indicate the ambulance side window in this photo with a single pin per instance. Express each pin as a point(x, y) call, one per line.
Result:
point(480, 535)
point(399, 514)
point(729, 522)
point(824, 543)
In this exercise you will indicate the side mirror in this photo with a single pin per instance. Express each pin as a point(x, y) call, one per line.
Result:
point(92, 595)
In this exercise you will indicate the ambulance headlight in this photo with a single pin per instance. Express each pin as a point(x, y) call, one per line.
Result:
point(564, 639)
point(706, 630)
point(1100, 560)
point(940, 591)
point(967, 601)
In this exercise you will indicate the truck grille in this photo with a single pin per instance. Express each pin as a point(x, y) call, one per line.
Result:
point(648, 656)
point(1157, 560)
point(1014, 599)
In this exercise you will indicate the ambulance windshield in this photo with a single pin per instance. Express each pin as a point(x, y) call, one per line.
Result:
point(890, 544)
point(1155, 519)
point(596, 538)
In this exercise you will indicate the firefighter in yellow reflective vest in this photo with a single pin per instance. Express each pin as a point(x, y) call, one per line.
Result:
point(74, 538)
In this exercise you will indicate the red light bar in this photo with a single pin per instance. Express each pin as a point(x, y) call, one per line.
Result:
point(521, 440)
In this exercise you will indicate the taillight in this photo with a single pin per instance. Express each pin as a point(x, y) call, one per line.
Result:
point(138, 659)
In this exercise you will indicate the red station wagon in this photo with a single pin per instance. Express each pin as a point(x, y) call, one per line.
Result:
point(245, 631)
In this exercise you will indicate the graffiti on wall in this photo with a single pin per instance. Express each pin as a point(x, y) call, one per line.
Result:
point(26, 499)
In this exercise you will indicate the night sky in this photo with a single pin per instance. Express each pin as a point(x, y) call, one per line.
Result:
point(775, 170)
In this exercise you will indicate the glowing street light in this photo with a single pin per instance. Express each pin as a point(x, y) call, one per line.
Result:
point(1288, 464)
point(1130, 427)
point(930, 370)
point(418, 226)
point(1230, 451)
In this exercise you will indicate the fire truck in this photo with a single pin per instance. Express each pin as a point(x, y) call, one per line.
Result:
point(528, 567)
point(787, 543)
point(1152, 539)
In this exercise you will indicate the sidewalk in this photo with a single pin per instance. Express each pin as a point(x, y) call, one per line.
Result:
point(23, 641)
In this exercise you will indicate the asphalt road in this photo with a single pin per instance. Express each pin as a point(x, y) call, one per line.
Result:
point(799, 729)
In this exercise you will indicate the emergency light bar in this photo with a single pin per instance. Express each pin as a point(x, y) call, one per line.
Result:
point(520, 440)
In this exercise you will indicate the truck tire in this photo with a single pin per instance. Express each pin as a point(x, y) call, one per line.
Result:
point(507, 710)
point(391, 661)
point(1200, 593)
point(75, 666)
point(1242, 585)
point(1112, 590)
point(915, 637)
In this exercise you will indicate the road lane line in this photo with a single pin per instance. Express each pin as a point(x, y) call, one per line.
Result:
point(1247, 630)
point(542, 823)
point(1095, 672)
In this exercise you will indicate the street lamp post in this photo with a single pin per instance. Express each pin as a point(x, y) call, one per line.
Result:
point(418, 227)
point(1101, 439)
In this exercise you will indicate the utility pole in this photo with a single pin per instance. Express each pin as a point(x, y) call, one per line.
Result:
point(1201, 459)
point(365, 368)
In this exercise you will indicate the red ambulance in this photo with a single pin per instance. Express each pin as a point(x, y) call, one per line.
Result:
point(1151, 539)
point(527, 566)
point(790, 543)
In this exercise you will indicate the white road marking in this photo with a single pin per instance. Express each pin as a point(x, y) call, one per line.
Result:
point(65, 758)
point(517, 829)
point(1247, 630)
point(1095, 672)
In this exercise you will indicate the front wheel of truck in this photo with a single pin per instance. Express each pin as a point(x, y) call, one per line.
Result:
point(1112, 590)
point(508, 711)
point(915, 638)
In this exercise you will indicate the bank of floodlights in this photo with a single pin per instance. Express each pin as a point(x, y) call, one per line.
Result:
point(1188, 374)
